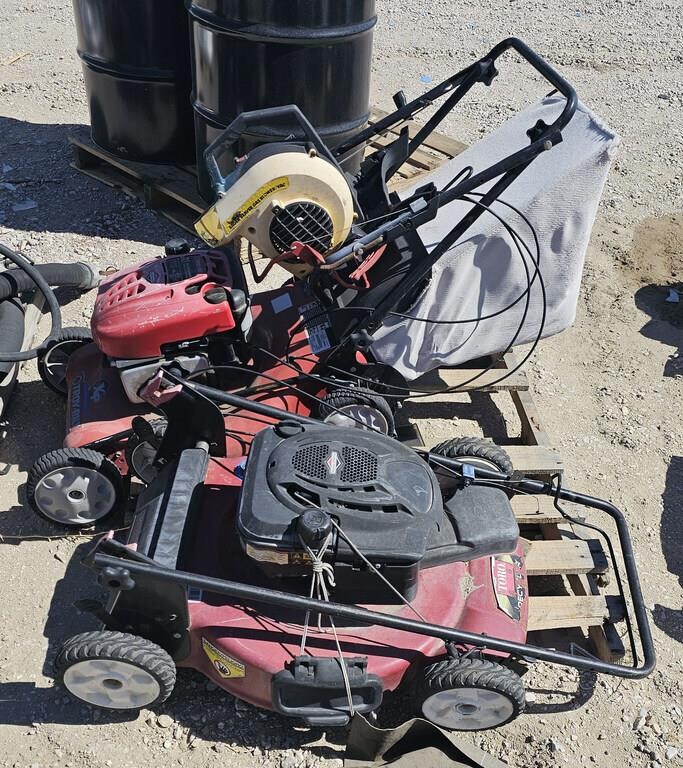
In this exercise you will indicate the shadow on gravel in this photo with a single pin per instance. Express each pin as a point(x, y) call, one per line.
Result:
point(481, 410)
point(666, 325)
point(34, 425)
point(39, 191)
point(670, 620)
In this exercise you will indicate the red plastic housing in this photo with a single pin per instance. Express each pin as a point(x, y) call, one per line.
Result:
point(161, 302)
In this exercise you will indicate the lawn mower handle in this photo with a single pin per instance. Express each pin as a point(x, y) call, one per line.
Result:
point(50, 298)
point(480, 71)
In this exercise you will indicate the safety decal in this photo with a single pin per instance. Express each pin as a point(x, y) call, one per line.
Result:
point(316, 324)
point(252, 203)
point(225, 665)
point(509, 585)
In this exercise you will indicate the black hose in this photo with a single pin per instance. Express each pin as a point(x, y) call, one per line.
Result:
point(79, 275)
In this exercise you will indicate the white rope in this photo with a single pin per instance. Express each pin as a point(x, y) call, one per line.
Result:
point(323, 576)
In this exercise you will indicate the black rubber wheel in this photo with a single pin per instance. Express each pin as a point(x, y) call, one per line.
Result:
point(115, 670)
point(75, 487)
point(484, 453)
point(361, 408)
point(470, 694)
point(53, 362)
point(140, 452)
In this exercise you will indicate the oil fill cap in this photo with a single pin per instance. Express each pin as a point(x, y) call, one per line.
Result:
point(314, 526)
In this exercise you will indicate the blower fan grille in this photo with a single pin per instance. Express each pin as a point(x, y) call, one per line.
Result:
point(303, 222)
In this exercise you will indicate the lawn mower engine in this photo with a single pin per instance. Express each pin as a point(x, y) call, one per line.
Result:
point(190, 306)
point(367, 505)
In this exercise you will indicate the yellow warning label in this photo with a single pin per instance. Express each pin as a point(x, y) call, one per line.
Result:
point(252, 203)
point(209, 227)
point(225, 665)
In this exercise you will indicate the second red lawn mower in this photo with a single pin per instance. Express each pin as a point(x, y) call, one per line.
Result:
point(345, 338)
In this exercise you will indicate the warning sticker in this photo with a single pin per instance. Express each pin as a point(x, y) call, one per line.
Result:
point(316, 327)
point(225, 665)
point(252, 203)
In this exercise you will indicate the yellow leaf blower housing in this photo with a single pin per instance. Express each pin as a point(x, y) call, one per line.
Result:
point(281, 193)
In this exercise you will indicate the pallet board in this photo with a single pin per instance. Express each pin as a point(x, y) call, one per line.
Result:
point(553, 558)
point(559, 611)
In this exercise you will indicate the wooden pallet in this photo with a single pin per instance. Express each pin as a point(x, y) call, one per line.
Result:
point(567, 602)
point(565, 571)
point(172, 190)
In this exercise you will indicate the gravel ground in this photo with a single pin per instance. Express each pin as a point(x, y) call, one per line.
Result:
point(609, 389)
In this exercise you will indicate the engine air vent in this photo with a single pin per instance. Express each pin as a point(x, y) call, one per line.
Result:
point(310, 461)
point(359, 466)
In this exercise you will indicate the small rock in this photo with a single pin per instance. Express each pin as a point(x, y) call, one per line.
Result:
point(671, 753)
point(164, 721)
point(639, 722)
point(168, 744)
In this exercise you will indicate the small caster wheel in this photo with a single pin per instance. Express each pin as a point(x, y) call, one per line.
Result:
point(115, 670)
point(52, 364)
point(478, 452)
point(142, 447)
point(470, 694)
point(360, 408)
point(75, 487)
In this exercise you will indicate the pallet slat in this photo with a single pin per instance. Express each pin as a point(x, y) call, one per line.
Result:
point(579, 556)
point(535, 510)
point(482, 381)
point(448, 147)
point(561, 611)
point(534, 459)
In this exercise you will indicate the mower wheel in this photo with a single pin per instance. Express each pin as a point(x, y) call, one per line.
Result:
point(75, 487)
point(141, 451)
point(361, 408)
point(478, 452)
point(115, 670)
point(470, 694)
point(52, 363)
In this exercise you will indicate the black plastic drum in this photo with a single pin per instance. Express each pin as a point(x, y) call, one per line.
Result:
point(136, 64)
point(267, 53)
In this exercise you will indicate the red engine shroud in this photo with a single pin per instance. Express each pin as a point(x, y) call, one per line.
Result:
point(162, 302)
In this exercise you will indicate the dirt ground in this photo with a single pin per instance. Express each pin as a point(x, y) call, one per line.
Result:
point(609, 389)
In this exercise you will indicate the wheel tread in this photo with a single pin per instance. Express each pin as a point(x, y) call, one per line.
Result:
point(119, 646)
point(461, 447)
point(63, 457)
point(473, 673)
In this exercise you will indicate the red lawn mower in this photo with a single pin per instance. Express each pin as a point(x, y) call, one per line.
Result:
point(361, 260)
point(253, 572)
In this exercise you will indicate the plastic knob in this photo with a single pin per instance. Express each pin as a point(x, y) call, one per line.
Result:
point(176, 247)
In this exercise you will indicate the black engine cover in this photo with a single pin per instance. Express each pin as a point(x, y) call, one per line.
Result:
point(383, 496)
